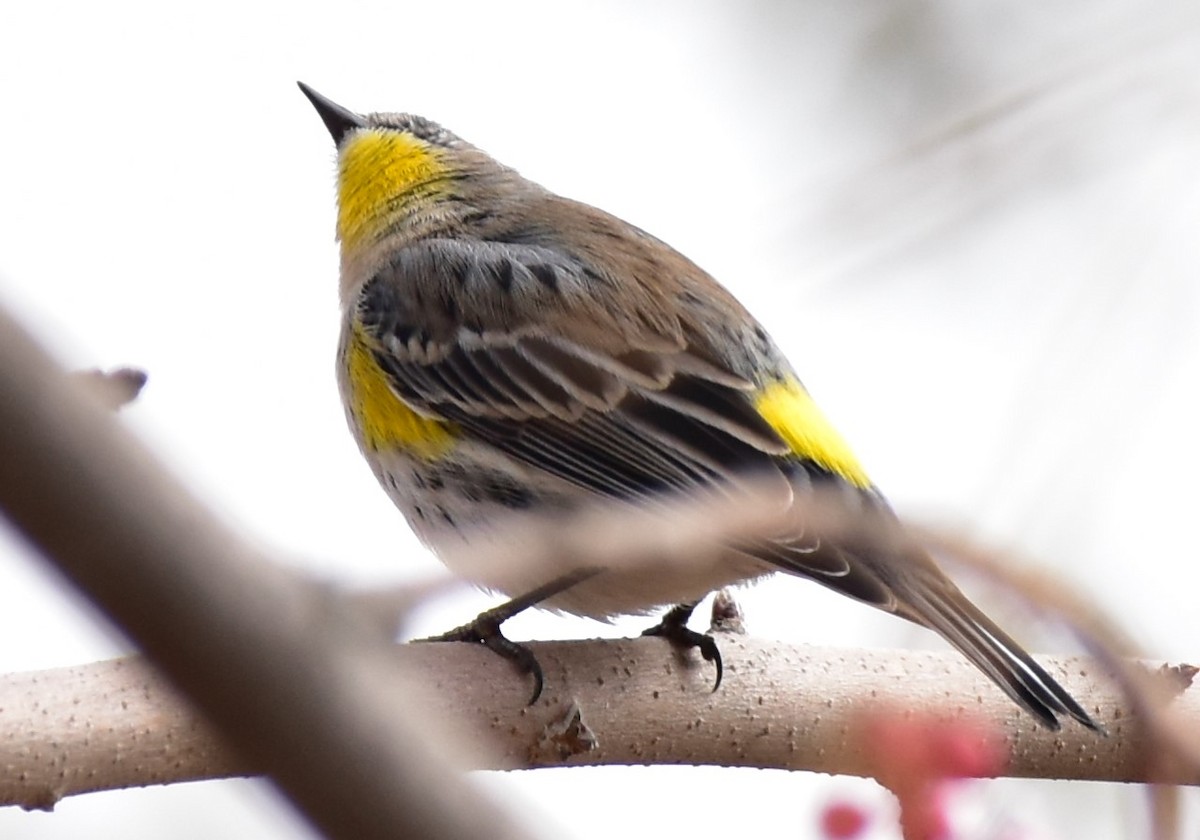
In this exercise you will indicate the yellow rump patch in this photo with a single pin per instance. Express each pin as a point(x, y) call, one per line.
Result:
point(385, 420)
point(377, 168)
point(791, 412)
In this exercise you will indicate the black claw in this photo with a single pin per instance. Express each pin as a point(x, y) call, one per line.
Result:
point(535, 669)
point(485, 630)
point(712, 653)
point(674, 629)
point(520, 656)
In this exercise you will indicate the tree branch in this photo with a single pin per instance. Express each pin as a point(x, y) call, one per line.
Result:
point(117, 724)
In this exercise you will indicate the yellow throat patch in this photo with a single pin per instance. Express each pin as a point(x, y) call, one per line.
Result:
point(378, 170)
point(791, 412)
point(384, 420)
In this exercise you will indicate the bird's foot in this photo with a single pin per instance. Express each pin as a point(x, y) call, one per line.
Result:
point(485, 630)
point(674, 629)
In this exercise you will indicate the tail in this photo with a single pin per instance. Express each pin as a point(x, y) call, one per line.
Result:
point(947, 611)
point(914, 587)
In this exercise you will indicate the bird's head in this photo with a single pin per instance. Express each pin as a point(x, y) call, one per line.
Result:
point(398, 174)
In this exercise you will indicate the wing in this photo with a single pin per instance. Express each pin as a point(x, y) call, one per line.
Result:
point(618, 401)
point(491, 337)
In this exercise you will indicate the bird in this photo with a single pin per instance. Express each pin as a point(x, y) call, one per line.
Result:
point(506, 350)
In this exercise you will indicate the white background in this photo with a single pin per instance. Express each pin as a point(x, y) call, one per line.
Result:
point(973, 227)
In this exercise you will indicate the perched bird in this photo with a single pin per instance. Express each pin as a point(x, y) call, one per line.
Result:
point(506, 349)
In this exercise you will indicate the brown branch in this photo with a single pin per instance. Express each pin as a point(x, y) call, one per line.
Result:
point(103, 726)
point(115, 724)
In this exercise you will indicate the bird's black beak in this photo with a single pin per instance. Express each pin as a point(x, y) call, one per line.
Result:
point(337, 119)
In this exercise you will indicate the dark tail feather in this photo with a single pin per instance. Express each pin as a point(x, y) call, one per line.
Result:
point(995, 653)
point(920, 592)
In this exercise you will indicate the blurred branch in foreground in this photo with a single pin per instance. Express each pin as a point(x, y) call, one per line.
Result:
point(300, 688)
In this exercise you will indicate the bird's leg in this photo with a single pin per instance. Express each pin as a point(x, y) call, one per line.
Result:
point(674, 629)
point(484, 629)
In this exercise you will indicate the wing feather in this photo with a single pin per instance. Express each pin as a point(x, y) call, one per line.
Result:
point(593, 386)
point(543, 389)
point(486, 396)
point(514, 403)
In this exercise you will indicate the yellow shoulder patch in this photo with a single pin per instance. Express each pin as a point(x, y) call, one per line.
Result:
point(377, 169)
point(384, 420)
point(791, 412)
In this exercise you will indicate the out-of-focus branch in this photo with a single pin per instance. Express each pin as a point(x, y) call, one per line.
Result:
point(296, 684)
point(637, 701)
